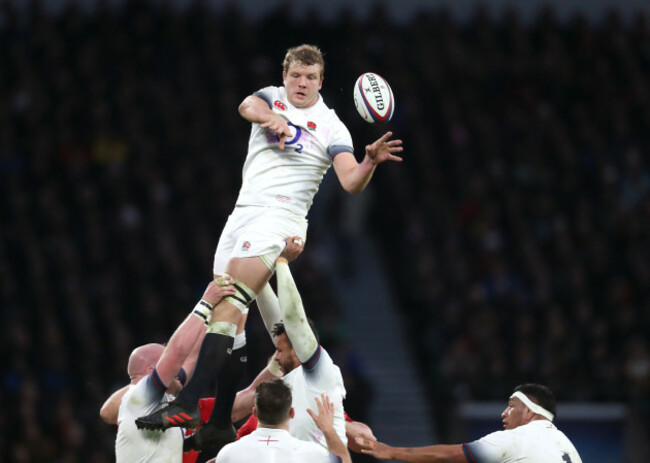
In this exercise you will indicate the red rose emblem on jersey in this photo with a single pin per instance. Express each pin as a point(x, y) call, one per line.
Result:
point(246, 246)
point(311, 125)
point(280, 105)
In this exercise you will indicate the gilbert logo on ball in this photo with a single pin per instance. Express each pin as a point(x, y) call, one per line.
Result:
point(373, 98)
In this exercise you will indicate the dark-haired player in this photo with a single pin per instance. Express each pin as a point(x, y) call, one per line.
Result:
point(529, 435)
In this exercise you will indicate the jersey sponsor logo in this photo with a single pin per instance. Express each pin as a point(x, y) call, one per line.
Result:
point(283, 199)
point(280, 105)
point(246, 246)
point(294, 142)
point(311, 125)
point(296, 137)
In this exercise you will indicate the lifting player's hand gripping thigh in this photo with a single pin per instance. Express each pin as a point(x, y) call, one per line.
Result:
point(218, 289)
point(295, 246)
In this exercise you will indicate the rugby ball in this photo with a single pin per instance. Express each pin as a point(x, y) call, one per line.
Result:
point(373, 98)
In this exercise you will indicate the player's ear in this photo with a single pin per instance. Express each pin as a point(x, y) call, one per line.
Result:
point(292, 413)
point(528, 415)
point(255, 412)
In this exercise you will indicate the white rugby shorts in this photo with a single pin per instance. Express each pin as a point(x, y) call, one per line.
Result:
point(257, 231)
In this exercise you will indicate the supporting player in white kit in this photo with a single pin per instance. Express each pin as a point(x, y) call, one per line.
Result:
point(271, 441)
point(154, 370)
point(529, 436)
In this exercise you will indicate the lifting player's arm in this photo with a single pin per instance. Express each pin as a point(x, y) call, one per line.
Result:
point(111, 407)
point(269, 307)
point(296, 324)
point(182, 343)
point(245, 399)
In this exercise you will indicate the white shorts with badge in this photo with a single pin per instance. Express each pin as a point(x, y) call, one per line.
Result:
point(257, 231)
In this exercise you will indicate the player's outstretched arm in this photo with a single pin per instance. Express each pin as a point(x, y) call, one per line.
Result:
point(430, 454)
point(354, 429)
point(325, 422)
point(354, 177)
point(245, 399)
point(295, 321)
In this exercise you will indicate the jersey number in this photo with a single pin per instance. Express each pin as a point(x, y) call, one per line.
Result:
point(566, 458)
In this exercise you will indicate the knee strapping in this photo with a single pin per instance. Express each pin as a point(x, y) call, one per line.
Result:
point(243, 297)
point(225, 328)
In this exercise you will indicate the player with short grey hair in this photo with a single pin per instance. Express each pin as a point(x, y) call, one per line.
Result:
point(156, 372)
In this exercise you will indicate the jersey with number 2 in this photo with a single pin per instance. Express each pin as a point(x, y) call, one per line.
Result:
point(290, 178)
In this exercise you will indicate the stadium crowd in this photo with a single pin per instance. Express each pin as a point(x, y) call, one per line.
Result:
point(523, 203)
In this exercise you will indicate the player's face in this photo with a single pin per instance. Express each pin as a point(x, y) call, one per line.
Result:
point(285, 355)
point(514, 414)
point(302, 83)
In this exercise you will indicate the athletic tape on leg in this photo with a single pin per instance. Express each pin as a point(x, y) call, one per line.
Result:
point(243, 296)
point(225, 328)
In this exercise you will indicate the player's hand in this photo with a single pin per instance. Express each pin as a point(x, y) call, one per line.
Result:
point(293, 249)
point(325, 418)
point(278, 124)
point(219, 288)
point(354, 429)
point(373, 447)
point(383, 149)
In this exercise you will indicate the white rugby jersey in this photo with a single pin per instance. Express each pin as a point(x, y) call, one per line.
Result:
point(133, 445)
point(290, 178)
point(316, 376)
point(536, 442)
point(274, 445)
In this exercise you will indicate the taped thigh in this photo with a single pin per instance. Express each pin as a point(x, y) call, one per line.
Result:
point(243, 297)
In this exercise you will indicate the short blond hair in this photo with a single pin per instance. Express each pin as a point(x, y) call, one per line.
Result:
point(304, 54)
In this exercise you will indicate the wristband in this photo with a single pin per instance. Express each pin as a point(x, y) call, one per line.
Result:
point(274, 368)
point(281, 260)
point(203, 310)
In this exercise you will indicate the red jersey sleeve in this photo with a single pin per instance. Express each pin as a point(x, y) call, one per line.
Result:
point(248, 427)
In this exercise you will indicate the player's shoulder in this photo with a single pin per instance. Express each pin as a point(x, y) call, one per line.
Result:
point(338, 131)
point(228, 451)
point(271, 94)
point(321, 360)
point(308, 447)
point(144, 388)
point(326, 112)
